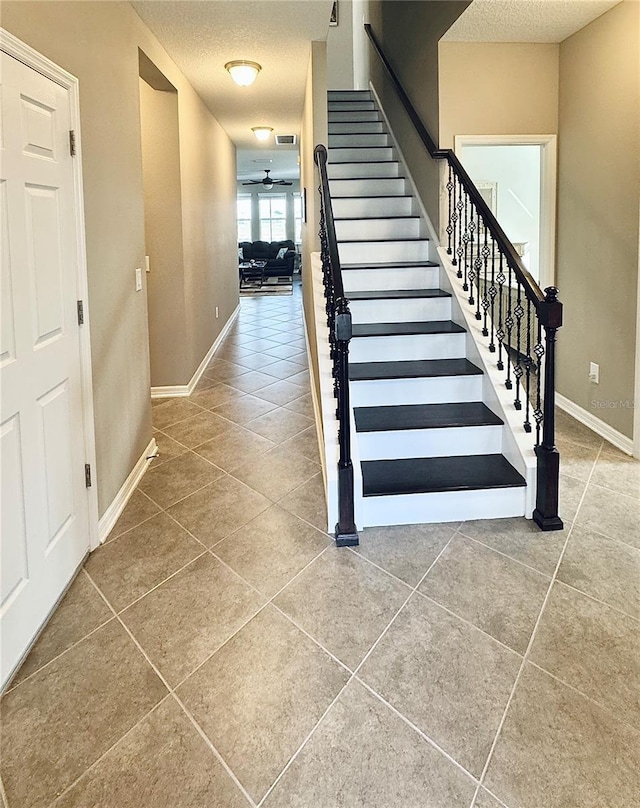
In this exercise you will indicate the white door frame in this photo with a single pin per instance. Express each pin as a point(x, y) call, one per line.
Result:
point(636, 389)
point(13, 46)
point(548, 176)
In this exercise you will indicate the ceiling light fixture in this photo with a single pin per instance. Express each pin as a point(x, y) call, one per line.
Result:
point(262, 132)
point(242, 72)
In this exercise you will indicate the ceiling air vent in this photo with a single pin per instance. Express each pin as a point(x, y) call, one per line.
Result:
point(285, 140)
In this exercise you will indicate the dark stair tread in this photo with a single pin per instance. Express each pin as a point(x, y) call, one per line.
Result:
point(393, 264)
point(421, 475)
point(356, 163)
point(363, 219)
point(373, 196)
point(339, 179)
point(412, 369)
point(424, 416)
point(397, 294)
point(406, 329)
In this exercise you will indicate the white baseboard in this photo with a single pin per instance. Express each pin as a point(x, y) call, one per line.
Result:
point(597, 425)
point(111, 515)
point(177, 390)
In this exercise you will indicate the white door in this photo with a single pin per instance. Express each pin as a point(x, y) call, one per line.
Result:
point(45, 528)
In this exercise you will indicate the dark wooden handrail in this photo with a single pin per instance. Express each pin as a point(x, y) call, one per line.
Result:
point(531, 288)
point(320, 156)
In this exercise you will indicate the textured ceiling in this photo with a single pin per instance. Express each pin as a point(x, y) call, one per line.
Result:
point(525, 20)
point(202, 35)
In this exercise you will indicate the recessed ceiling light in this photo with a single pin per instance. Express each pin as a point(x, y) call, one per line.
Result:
point(262, 132)
point(243, 72)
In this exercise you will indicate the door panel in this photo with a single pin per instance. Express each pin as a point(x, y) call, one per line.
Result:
point(45, 515)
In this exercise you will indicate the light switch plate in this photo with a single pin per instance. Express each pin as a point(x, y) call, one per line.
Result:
point(138, 280)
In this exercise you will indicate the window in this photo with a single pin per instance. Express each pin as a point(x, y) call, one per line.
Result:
point(273, 217)
point(244, 217)
point(297, 217)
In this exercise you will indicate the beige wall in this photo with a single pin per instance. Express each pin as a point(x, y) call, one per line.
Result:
point(409, 34)
point(340, 49)
point(163, 235)
point(98, 43)
point(313, 131)
point(598, 199)
point(497, 88)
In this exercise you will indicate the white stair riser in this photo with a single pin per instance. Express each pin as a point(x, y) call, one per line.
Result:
point(351, 115)
point(361, 207)
point(406, 347)
point(348, 95)
point(357, 139)
point(362, 280)
point(432, 390)
point(350, 106)
point(450, 442)
point(339, 170)
point(450, 506)
point(362, 154)
point(415, 310)
point(383, 252)
point(356, 127)
point(363, 229)
point(367, 187)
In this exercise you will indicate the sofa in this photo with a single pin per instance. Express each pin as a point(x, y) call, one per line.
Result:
point(263, 251)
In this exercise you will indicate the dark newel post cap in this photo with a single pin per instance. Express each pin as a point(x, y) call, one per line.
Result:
point(550, 309)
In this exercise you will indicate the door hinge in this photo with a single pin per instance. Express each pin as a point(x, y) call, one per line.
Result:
point(80, 312)
point(87, 475)
point(72, 142)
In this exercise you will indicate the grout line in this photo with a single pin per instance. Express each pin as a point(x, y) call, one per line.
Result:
point(3, 795)
point(532, 638)
point(546, 575)
point(177, 699)
point(617, 609)
point(165, 508)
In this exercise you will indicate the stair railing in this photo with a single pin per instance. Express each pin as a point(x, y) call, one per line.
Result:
point(511, 306)
point(340, 330)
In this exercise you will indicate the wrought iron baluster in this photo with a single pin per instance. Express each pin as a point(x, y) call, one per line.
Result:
point(486, 252)
point(454, 219)
point(500, 329)
point(492, 295)
point(528, 363)
point(509, 321)
point(472, 260)
point(449, 222)
point(538, 350)
point(460, 207)
point(478, 266)
point(517, 370)
point(466, 238)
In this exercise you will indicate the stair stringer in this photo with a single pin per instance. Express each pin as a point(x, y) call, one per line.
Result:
point(517, 445)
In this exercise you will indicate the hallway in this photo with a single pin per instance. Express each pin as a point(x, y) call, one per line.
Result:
point(219, 651)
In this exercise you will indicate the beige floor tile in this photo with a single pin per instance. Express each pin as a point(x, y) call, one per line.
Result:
point(260, 344)
point(568, 429)
point(603, 568)
point(182, 622)
point(363, 755)
point(593, 648)
point(260, 695)
point(303, 405)
point(308, 502)
point(204, 383)
point(493, 592)
point(280, 424)
point(558, 749)
point(172, 411)
point(448, 678)
point(222, 371)
point(220, 393)
point(576, 460)
point(282, 369)
point(59, 722)
point(245, 409)
point(406, 551)
point(168, 448)
point(255, 361)
point(214, 512)
point(127, 567)
point(521, 539)
point(302, 378)
point(485, 800)
point(344, 602)
point(162, 761)
point(198, 429)
point(252, 381)
point(277, 472)
point(279, 392)
point(282, 351)
point(619, 473)
point(615, 515)
point(305, 443)
point(81, 610)
point(178, 478)
point(234, 447)
point(569, 495)
point(271, 549)
point(137, 510)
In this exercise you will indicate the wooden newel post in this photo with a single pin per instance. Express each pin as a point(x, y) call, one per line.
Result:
point(346, 532)
point(545, 514)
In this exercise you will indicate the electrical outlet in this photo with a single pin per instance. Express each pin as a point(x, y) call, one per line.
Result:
point(217, 313)
point(594, 373)
point(138, 279)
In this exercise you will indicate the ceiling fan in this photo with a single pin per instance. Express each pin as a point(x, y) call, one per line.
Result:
point(267, 182)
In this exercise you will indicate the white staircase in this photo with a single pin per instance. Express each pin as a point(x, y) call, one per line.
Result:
point(429, 447)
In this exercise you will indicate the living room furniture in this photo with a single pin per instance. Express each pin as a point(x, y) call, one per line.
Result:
point(268, 252)
point(252, 273)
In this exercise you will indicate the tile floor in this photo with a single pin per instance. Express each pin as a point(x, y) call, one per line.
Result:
point(219, 651)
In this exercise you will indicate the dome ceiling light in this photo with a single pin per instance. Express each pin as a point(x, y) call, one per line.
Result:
point(243, 72)
point(262, 132)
